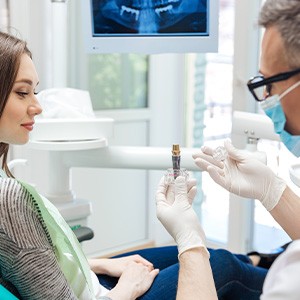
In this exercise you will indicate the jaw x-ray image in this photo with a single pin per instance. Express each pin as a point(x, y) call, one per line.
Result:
point(150, 17)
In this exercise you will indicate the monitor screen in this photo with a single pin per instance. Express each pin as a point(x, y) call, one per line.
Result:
point(150, 26)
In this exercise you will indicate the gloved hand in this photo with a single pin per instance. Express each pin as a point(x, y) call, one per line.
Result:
point(242, 174)
point(174, 210)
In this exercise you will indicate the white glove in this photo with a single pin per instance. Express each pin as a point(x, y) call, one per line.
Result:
point(242, 174)
point(174, 210)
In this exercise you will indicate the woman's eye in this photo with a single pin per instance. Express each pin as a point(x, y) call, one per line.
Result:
point(22, 94)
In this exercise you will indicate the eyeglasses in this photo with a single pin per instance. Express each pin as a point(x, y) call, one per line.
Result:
point(261, 87)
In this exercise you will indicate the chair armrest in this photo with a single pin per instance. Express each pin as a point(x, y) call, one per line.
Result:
point(83, 233)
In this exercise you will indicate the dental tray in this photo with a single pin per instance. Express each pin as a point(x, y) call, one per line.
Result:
point(61, 130)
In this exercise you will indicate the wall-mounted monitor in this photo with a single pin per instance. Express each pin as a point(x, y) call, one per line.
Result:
point(150, 26)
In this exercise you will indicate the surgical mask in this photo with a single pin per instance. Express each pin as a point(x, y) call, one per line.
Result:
point(273, 109)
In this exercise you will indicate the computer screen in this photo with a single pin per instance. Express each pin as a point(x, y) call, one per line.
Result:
point(150, 26)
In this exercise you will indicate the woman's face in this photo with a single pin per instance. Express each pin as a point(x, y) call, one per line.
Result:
point(22, 106)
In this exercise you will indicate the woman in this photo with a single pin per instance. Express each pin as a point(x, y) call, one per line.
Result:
point(29, 266)
point(39, 256)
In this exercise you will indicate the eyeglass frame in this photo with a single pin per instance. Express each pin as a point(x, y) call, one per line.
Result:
point(265, 81)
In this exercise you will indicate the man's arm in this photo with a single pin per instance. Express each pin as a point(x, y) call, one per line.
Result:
point(195, 276)
point(180, 220)
point(287, 213)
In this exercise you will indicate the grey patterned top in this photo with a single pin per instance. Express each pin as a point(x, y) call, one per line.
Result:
point(28, 266)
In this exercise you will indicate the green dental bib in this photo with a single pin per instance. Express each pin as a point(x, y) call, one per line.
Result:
point(68, 251)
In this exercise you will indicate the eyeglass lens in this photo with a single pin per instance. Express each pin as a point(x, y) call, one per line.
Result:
point(263, 91)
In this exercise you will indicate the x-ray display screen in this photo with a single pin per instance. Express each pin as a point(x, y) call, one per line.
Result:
point(150, 17)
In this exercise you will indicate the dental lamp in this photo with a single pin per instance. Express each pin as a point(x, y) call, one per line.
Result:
point(247, 130)
point(251, 127)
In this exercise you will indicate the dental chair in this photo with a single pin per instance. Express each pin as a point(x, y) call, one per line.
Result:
point(6, 294)
point(82, 233)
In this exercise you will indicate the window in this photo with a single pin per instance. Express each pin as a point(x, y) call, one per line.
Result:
point(118, 81)
point(115, 81)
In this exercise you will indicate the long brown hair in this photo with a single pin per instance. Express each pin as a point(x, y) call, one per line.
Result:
point(11, 50)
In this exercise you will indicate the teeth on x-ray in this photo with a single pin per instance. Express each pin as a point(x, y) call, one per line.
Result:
point(136, 12)
point(130, 11)
point(163, 9)
point(151, 16)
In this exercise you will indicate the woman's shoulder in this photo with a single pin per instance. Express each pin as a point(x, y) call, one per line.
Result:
point(14, 199)
point(19, 216)
point(8, 182)
point(11, 190)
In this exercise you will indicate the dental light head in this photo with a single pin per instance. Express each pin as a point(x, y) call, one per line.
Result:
point(253, 126)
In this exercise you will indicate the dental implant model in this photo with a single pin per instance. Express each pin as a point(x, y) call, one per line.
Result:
point(172, 173)
point(176, 160)
point(220, 153)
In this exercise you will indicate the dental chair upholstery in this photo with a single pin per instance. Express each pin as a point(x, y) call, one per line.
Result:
point(82, 233)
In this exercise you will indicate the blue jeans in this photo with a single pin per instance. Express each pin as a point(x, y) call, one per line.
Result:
point(235, 278)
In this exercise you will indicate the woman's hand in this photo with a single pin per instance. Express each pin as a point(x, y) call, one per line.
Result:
point(134, 281)
point(116, 266)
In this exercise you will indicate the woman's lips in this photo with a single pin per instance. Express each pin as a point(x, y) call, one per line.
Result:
point(28, 126)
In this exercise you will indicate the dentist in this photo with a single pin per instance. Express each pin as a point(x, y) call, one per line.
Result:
point(277, 88)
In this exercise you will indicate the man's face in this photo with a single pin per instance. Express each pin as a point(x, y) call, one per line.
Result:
point(274, 61)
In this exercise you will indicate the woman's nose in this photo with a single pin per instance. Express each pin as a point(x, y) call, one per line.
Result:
point(35, 107)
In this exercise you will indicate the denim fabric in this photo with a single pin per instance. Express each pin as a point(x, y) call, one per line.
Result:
point(235, 278)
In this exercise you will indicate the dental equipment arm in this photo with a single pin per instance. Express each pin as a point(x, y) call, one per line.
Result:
point(61, 160)
point(126, 157)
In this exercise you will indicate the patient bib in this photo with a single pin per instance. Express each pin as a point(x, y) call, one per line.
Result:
point(68, 251)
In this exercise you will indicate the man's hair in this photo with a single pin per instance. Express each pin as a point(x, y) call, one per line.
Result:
point(285, 15)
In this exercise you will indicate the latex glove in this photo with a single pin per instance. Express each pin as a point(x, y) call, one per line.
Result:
point(177, 215)
point(242, 174)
